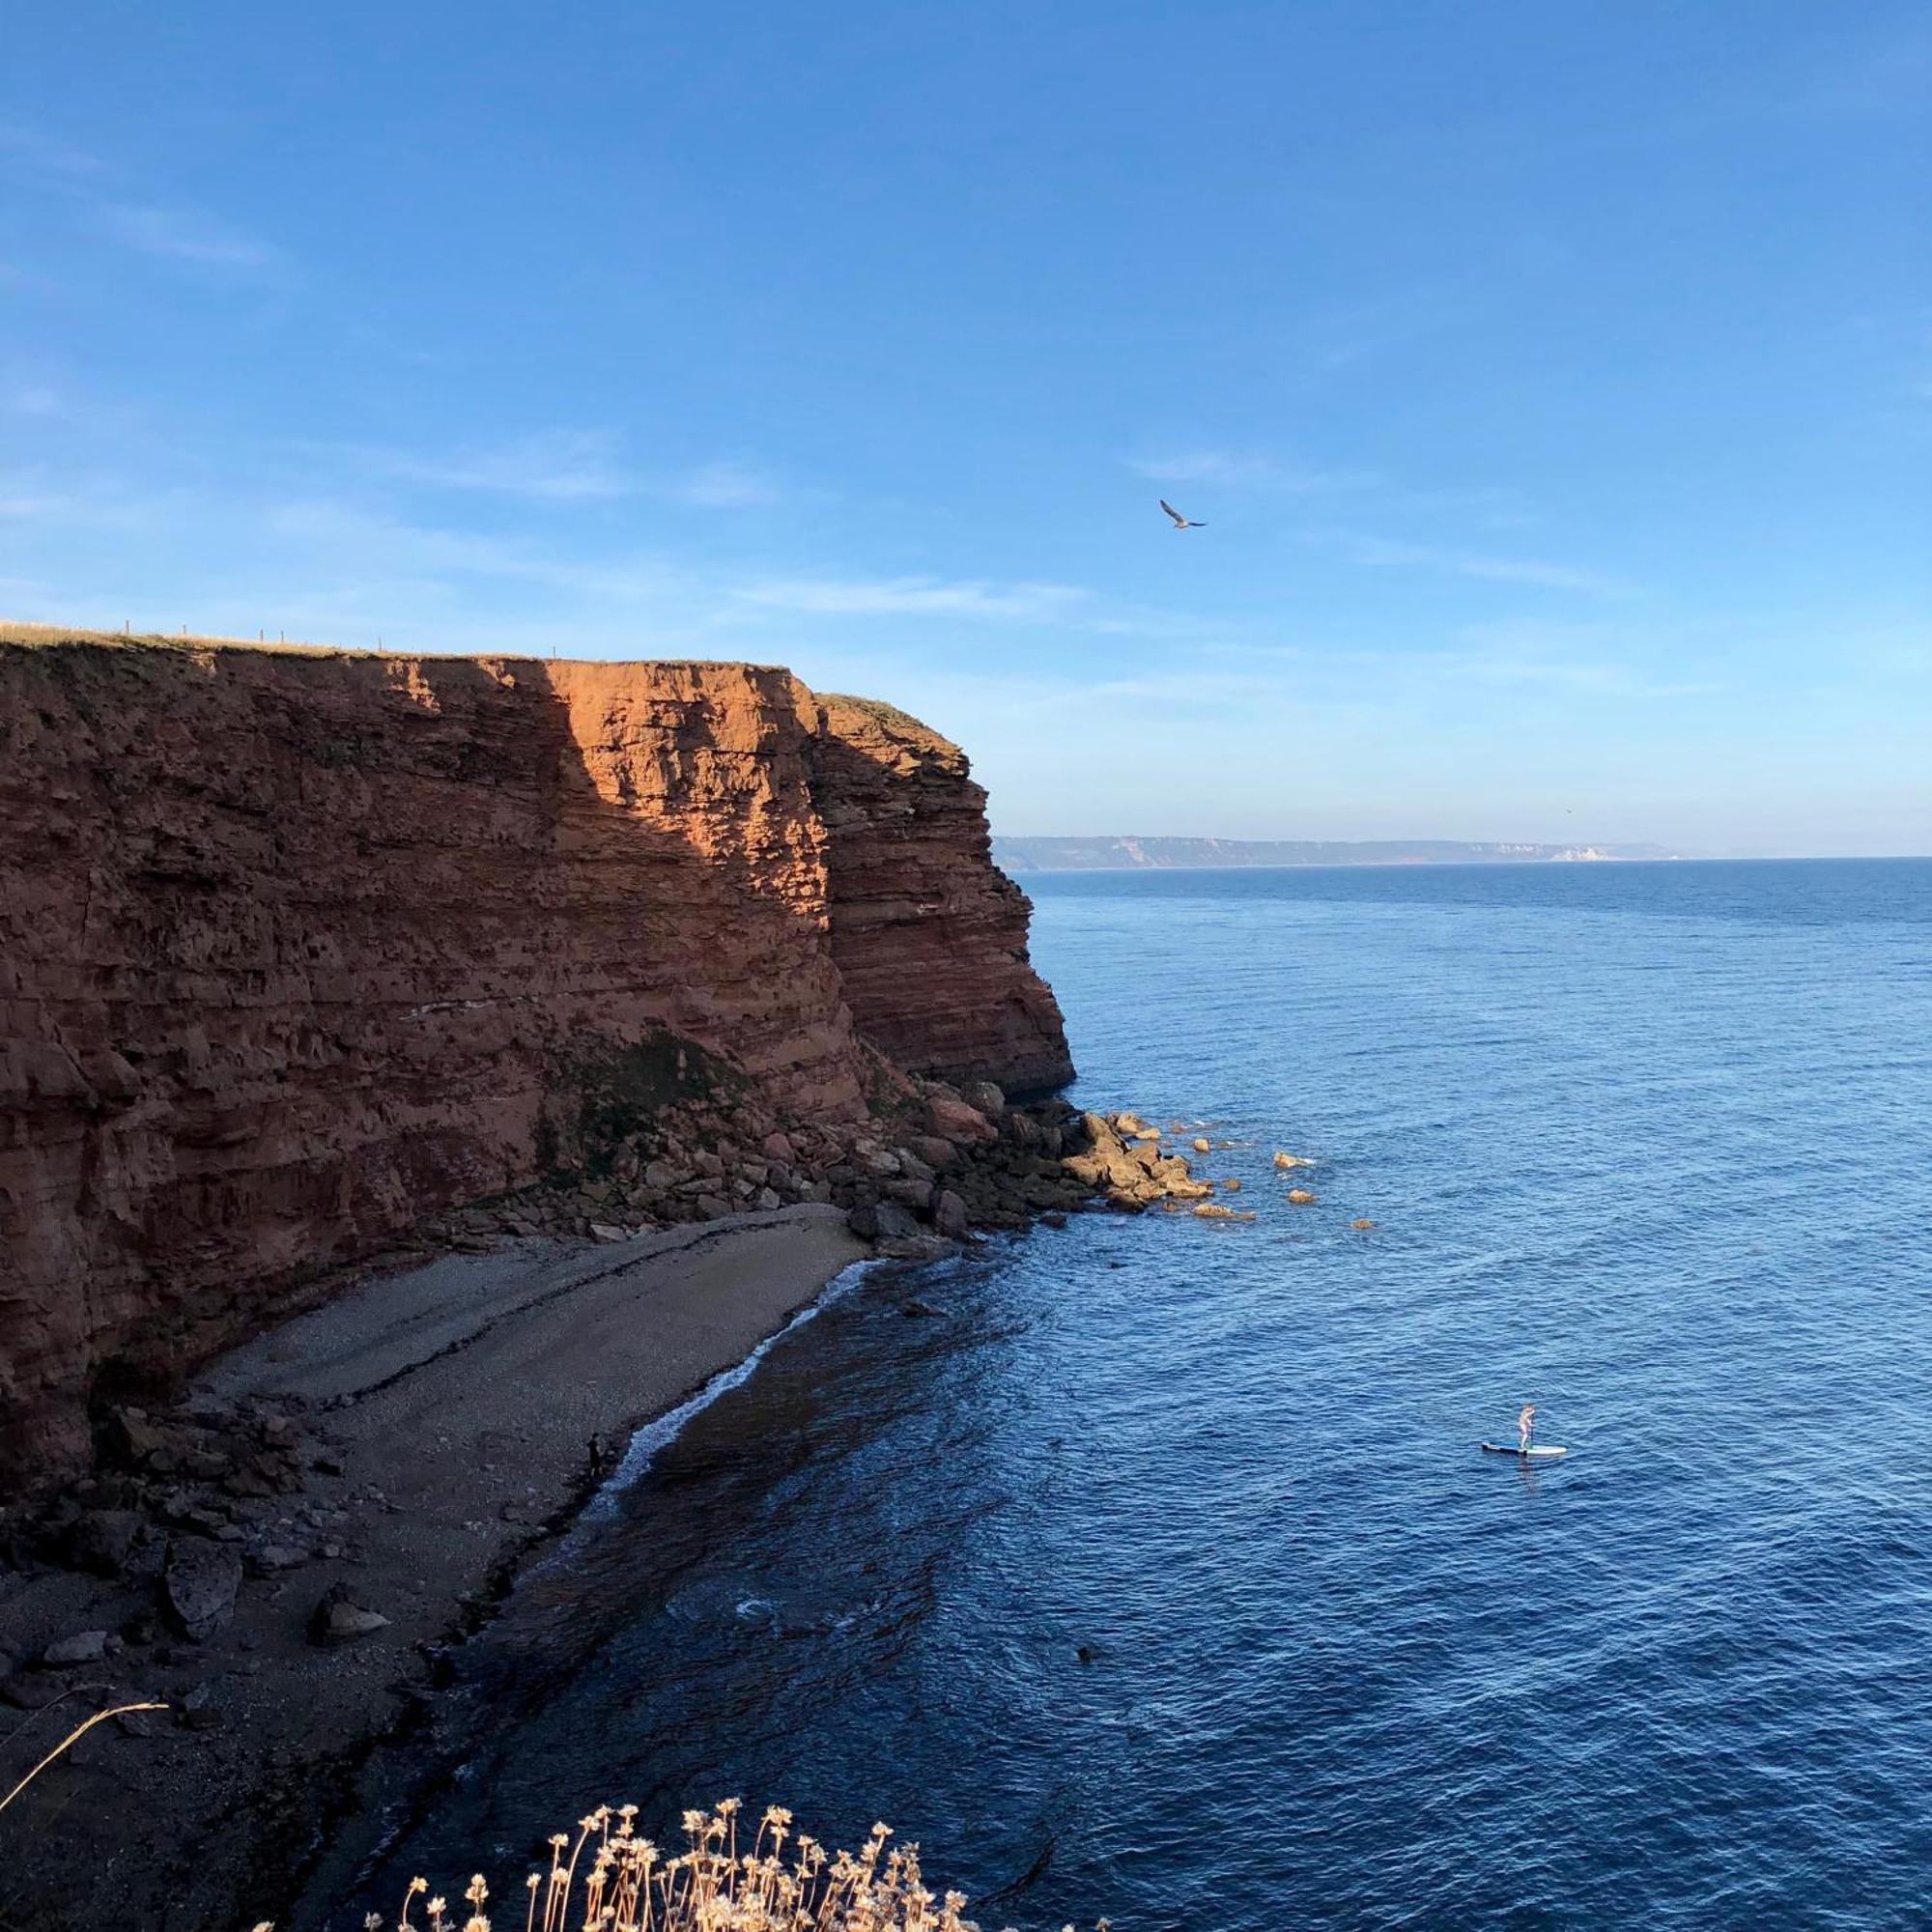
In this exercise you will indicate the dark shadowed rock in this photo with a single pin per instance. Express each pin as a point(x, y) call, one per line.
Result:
point(935, 1152)
point(339, 1618)
point(913, 1248)
point(111, 1541)
point(897, 1223)
point(956, 1121)
point(199, 1711)
point(949, 1216)
point(83, 1647)
point(985, 1096)
point(27, 1692)
point(198, 1587)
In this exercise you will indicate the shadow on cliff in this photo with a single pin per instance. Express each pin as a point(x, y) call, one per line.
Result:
point(297, 949)
point(691, 853)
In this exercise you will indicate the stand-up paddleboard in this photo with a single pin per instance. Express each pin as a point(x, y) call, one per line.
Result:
point(1536, 1453)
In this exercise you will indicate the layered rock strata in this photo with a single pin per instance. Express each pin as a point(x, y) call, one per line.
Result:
point(922, 921)
point(297, 949)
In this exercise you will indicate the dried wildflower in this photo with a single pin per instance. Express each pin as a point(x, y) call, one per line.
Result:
point(628, 1885)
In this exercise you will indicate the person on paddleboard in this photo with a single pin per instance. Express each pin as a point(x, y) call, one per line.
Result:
point(1525, 1427)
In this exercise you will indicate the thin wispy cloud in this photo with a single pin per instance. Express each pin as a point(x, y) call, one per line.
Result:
point(1602, 679)
point(1385, 554)
point(1585, 659)
point(127, 214)
point(426, 552)
point(909, 596)
point(24, 506)
point(183, 235)
point(1338, 337)
point(555, 465)
point(29, 148)
point(724, 486)
point(1242, 468)
point(31, 399)
point(1483, 504)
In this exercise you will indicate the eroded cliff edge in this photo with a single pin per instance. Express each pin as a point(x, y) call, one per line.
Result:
point(930, 935)
point(297, 949)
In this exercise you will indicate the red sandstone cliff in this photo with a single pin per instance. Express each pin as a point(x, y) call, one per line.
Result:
point(296, 948)
point(929, 936)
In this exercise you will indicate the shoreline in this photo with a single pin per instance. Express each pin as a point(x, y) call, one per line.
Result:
point(285, 1559)
point(453, 1423)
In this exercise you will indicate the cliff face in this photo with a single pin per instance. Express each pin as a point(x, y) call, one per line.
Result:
point(931, 938)
point(296, 949)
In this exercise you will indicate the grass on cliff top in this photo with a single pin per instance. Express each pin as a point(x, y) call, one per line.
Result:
point(889, 716)
point(34, 636)
point(16, 632)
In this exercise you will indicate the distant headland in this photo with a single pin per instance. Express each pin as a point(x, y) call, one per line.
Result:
point(1123, 854)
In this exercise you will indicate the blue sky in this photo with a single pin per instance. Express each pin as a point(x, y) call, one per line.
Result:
point(1555, 381)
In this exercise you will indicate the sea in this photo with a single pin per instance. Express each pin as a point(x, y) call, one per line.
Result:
point(1158, 1576)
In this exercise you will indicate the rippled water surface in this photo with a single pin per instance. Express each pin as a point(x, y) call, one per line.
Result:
point(1646, 1144)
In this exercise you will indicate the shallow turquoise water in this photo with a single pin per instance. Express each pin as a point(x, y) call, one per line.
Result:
point(1651, 1145)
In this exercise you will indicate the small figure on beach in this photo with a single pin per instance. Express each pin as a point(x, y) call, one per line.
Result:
point(1526, 1426)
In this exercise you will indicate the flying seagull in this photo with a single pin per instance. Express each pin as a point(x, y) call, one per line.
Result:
point(1180, 523)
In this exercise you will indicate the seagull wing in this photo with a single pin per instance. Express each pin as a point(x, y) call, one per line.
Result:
point(1181, 522)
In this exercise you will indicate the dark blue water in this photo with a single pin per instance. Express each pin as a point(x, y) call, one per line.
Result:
point(1650, 1145)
